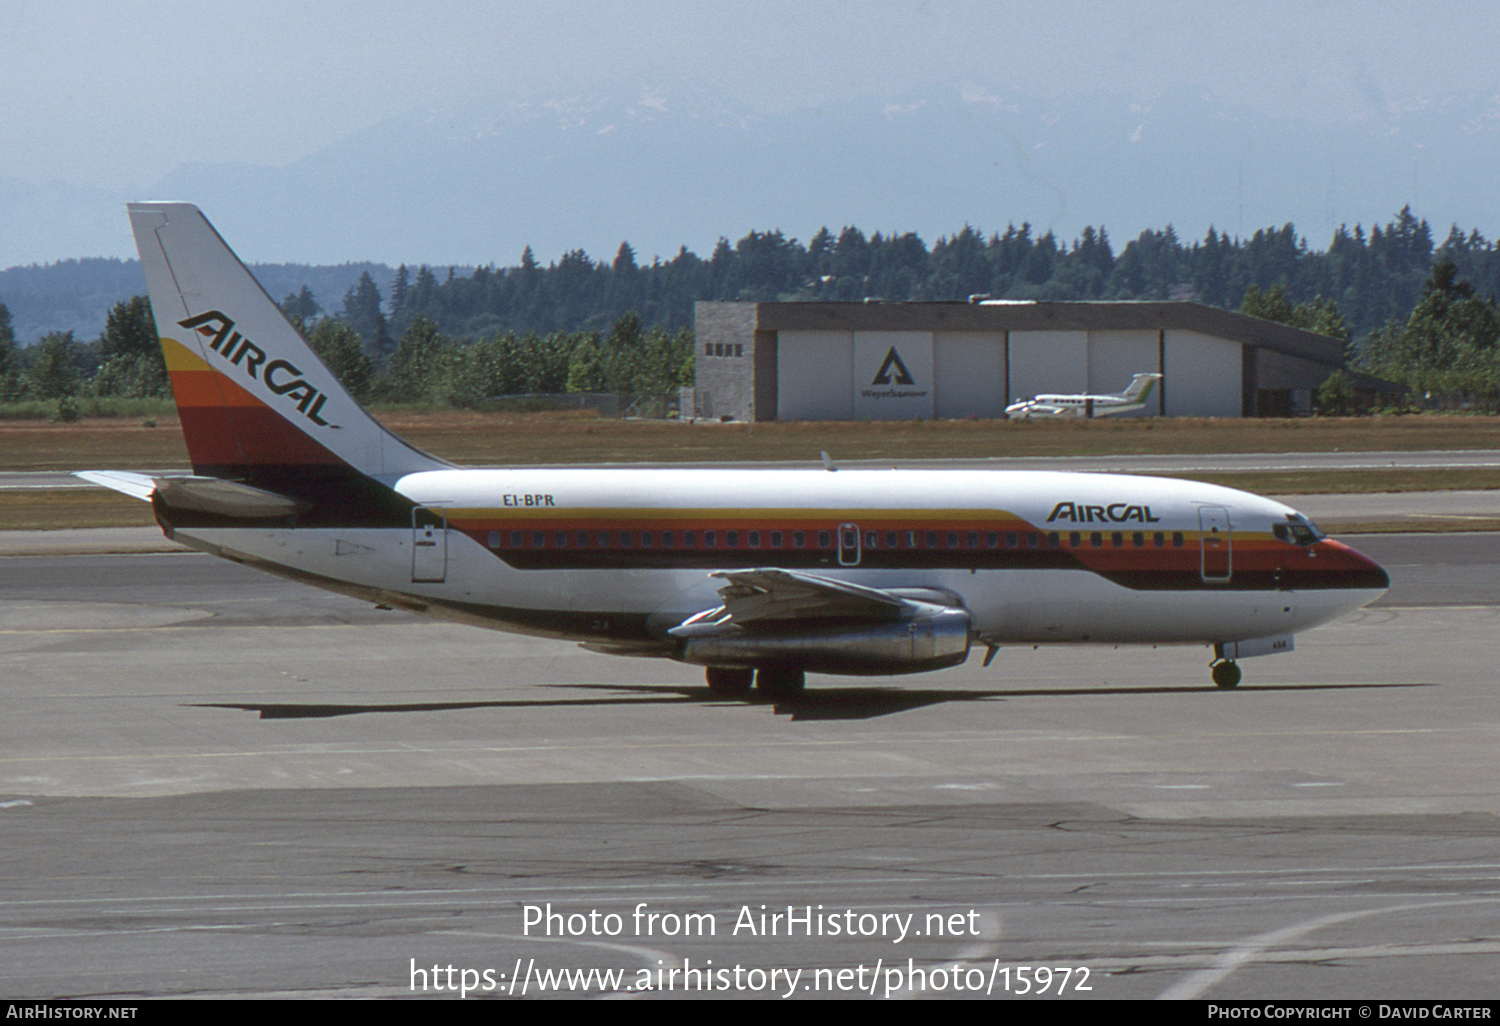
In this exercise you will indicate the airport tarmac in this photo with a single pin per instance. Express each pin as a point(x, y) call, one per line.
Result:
point(217, 783)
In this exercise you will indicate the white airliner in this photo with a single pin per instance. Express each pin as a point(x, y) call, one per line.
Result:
point(1084, 405)
point(756, 575)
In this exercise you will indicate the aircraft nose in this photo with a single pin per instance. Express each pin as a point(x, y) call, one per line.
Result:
point(1351, 569)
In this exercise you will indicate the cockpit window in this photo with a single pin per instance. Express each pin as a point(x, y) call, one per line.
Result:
point(1298, 530)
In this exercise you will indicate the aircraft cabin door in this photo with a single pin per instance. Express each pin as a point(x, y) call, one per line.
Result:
point(848, 545)
point(429, 545)
point(1216, 545)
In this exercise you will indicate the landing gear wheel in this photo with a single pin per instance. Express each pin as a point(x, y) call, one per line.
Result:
point(1226, 673)
point(729, 681)
point(779, 681)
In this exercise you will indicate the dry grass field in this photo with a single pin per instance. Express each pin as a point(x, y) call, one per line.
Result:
point(491, 439)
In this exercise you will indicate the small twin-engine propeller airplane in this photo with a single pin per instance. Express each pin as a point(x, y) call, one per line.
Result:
point(1084, 405)
point(757, 575)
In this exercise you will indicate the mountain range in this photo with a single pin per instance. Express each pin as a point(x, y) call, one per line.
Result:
point(476, 182)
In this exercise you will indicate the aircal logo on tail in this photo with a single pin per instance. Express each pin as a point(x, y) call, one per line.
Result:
point(280, 376)
point(1117, 513)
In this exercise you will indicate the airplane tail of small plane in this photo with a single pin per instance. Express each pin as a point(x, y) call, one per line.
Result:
point(257, 404)
point(1140, 388)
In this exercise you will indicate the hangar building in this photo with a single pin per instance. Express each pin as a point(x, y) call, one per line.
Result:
point(902, 361)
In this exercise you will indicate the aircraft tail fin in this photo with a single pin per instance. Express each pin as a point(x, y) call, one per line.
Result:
point(256, 402)
point(1140, 388)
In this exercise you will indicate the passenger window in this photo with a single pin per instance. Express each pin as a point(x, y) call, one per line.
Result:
point(753, 538)
point(710, 539)
point(494, 539)
point(538, 539)
point(825, 540)
point(515, 539)
point(732, 539)
point(775, 539)
point(1117, 539)
point(667, 539)
point(1012, 539)
point(689, 539)
point(1096, 539)
point(799, 539)
point(1176, 539)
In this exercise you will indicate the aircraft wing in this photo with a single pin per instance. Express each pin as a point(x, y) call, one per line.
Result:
point(771, 594)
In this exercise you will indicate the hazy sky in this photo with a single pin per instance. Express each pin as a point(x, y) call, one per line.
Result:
point(115, 94)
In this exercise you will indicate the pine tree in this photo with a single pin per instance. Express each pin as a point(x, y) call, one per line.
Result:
point(12, 384)
point(54, 375)
point(131, 362)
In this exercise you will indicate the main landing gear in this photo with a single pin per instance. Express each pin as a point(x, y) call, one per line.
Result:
point(779, 681)
point(729, 681)
point(1225, 672)
point(771, 681)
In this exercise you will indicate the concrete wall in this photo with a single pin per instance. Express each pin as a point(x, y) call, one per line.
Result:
point(1202, 375)
point(1048, 361)
point(968, 374)
point(724, 334)
point(815, 375)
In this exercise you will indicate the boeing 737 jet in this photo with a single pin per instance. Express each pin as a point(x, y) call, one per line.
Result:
point(759, 576)
point(1084, 405)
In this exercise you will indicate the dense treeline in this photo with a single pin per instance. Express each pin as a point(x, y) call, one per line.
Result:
point(1408, 310)
point(422, 366)
point(1370, 277)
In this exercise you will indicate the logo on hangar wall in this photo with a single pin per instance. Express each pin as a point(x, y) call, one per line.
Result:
point(892, 362)
point(893, 375)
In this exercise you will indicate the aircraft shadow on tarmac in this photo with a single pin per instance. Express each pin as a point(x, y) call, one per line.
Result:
point(848, 703)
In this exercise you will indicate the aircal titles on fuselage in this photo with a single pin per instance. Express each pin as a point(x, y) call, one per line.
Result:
point(1114, 513)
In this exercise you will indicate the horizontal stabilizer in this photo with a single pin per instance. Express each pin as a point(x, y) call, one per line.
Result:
point(204, 494)
point(137, 486)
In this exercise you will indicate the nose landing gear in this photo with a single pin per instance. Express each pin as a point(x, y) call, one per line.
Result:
point(1225, 672)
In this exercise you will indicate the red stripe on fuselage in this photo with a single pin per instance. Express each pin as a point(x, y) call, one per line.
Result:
point(224, 425)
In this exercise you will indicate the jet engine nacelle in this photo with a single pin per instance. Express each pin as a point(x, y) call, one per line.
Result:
point(934, 638)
